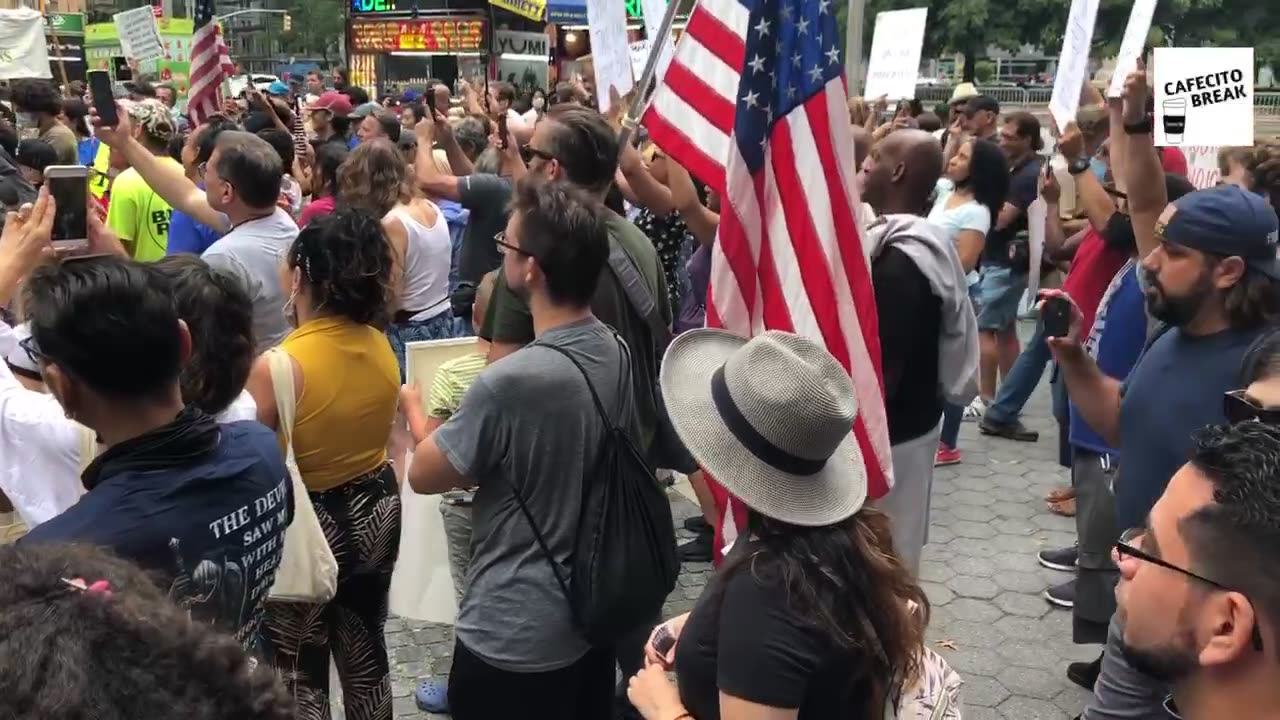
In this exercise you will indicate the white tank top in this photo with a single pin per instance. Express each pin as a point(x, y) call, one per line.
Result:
point(425, 292)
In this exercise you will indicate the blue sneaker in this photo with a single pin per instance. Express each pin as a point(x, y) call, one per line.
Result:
point(432, 695)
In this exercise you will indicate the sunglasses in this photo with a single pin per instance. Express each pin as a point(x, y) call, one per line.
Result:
point(529, 152)
point(1125, 548)
point(1239, 407)
point(28, 345)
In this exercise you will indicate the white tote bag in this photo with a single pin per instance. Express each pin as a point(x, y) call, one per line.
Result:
point(308, 570)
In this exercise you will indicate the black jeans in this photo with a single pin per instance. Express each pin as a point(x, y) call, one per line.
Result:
point(581, 691)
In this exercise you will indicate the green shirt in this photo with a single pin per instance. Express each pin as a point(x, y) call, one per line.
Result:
point(451, 383)
point(508, 319)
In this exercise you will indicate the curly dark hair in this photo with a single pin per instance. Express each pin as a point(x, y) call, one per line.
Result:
point(37, 96)
point(846, 581)
point(346, 261)
point(1263, 166)
point(987, 175)
point(1233, 539)
point(68, 654)
point(77, 112)
point(373, 177)
point(219, 316)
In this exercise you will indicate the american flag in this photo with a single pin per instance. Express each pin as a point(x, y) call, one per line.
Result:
point(210, 65)
point(754, 104)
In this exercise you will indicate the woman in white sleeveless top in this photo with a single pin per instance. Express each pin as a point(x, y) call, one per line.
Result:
point(374, 178)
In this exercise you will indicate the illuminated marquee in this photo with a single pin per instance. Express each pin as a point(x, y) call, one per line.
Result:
point(417, 35)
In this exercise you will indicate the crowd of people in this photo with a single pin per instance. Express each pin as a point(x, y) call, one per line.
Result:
point(215, 390)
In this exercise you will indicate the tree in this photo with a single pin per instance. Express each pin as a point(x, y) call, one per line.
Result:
point(317, 25)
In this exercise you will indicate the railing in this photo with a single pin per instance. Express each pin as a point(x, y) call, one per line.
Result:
point(1264, 103)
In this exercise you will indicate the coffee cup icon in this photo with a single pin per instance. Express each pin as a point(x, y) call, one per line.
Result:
point(1175, 120)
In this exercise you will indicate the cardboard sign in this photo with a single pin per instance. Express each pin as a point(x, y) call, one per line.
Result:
point(1073, 63)
point(610, 54)
point(895, 54)
point(653, 12)
point(139, 34)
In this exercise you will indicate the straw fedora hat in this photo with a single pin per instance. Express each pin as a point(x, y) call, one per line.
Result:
point(771, 419)
point(962, 92)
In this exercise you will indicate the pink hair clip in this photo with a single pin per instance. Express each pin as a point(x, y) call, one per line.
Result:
point(102, 587)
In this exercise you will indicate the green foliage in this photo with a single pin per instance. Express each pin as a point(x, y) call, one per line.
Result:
point(985, 71)
point(969, 26)
point(317, 27)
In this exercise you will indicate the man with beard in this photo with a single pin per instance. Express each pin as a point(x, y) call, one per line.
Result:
point(928, 334)
point(1199, 594)
point(1211, 275)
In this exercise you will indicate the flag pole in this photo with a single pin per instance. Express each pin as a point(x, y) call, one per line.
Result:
point(632, 119)
point(62, 63)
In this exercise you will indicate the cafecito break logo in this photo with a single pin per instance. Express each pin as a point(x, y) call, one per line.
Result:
point(1203, 96)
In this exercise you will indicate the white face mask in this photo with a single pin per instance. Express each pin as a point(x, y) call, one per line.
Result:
point(27, 121)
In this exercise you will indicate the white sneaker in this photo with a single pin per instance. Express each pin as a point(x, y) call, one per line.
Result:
point(975, 410)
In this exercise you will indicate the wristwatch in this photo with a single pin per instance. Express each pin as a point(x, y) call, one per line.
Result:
point(1077, 166)
point(1143, 127)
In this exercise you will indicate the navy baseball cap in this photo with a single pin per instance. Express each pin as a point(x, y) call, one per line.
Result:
point(1226, 220)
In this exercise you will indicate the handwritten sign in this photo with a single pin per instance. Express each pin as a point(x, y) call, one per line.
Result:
point(1202, 165)
point(895, 53)
point(417, 35)
point(639, 56)
point(1135, 38)
point(139, 34)
point(1037, 214)
point(653, 12)
point(1073, 64)
point(610, 54)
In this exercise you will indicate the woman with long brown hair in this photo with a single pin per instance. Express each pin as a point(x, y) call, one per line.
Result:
point(812, 614)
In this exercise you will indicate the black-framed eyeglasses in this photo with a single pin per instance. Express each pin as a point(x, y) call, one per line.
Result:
point(1239, 407)
point(28, 345)
point(500, 239)
point(1125, 546)
point(529, 152)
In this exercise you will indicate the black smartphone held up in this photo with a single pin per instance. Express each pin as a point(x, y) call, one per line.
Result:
point(1055, 314)
point(69, 187)
point(502, 130)
point(104, 101)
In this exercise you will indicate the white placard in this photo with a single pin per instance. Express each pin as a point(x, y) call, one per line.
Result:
point(610, 55)
point(1037, 214)
point(139, 34)
point(1073, 63)
point(1202, 165)
point(23, 52)
point(895, 54)
point(639, 56)
point(1135, 38)
point(1204, 96)
point(653, 12)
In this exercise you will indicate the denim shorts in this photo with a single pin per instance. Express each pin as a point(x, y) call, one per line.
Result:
point(439, 327)
point(999, 293)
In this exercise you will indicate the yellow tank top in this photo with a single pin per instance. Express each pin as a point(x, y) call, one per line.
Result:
point(350, 390)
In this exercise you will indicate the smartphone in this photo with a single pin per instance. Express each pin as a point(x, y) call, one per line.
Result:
point(1055, 314)
point(502, 130)
point(69, 187)
point(104, 100)
point(663, 640)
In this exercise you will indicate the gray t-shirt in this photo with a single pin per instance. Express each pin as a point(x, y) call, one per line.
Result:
point(528, 421)
point(252, 252)
point(486, 196)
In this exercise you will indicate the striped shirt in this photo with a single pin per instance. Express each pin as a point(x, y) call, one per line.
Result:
point(450, 384)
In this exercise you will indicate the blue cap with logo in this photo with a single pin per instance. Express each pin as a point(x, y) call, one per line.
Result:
point(278, 88)
point(1226, 220)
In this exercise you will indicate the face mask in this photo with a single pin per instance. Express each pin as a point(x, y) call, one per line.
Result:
point(26, 121)
point(1099, 169)
point(539, 103)
point(290, 310)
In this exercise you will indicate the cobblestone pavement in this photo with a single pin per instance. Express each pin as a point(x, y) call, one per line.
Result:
point(979, 570)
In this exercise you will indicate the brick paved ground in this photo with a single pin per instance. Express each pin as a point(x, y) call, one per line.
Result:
point(979, 570)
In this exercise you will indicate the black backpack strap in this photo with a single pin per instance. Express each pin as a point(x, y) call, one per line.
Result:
point(638, 294)
point(515, 492)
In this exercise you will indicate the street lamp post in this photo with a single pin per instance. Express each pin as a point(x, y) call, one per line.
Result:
point(853, 41)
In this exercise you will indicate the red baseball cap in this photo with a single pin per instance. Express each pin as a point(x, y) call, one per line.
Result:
point(1173, 161)
point(333, 101)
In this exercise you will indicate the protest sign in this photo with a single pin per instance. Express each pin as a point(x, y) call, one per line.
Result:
point(23, 53)
point(1073, 63)
point(139, 34)
point(653, 12)
point(610, 54)
point(895, 54)
point(1135, 39)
